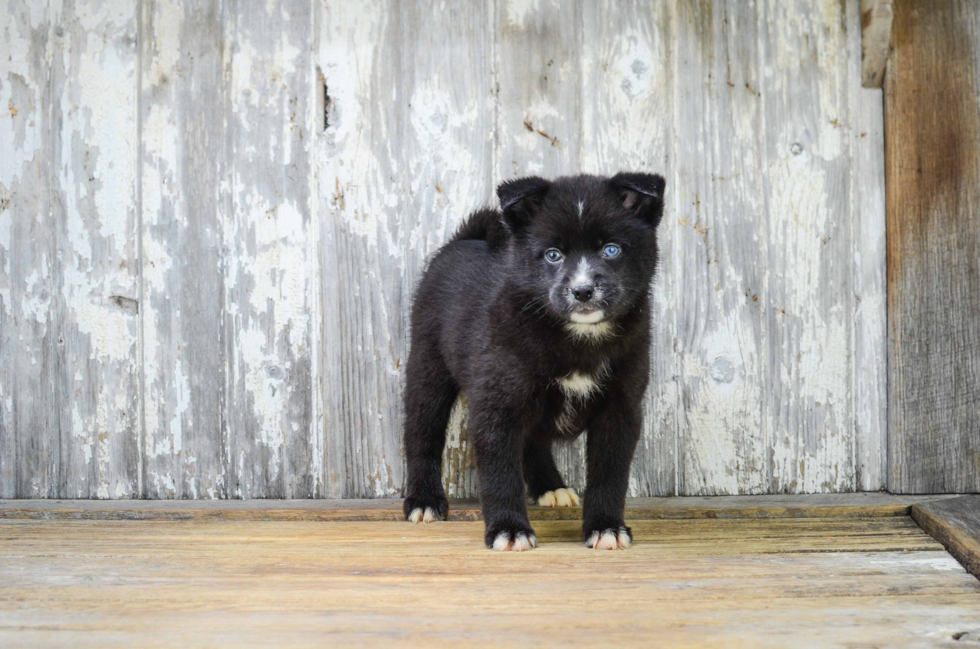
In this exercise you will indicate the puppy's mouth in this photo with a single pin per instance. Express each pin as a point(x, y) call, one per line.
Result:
point(587, 316)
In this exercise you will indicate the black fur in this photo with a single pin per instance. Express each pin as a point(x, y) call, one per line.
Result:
point(491, 319)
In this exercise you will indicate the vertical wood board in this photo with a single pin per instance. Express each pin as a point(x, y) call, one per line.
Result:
point(30, 433)
point(273, 448)
point(185, 202)
point(932, 120)
point(539, 116)
point(407, 143)
point(94, 210)
point(719, 232)
point(807, 291)
point(869, 376)
point(626, 88)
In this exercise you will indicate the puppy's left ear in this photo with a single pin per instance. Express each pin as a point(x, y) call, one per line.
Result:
point(642, 194)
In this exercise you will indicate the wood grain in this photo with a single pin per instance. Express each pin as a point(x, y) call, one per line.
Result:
point(851, 582)
point(956, 524)
point(932, 124)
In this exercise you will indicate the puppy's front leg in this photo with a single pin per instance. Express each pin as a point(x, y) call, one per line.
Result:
point(498, 437)
point(612, 438)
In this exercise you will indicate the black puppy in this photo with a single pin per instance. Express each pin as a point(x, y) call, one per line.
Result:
point(540, 315)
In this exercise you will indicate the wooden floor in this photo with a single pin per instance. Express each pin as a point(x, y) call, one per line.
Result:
point(841, 581)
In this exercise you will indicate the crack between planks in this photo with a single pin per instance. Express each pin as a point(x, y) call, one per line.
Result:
point(141, 312)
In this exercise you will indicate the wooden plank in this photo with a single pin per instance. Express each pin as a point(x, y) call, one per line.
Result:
point(932, 125)
point(30, 421)
point(956, 524)
point(403, 159)
point(743, 583)
point(869, 376)
point(807, 288)
point(625, 95)
point(718, 225)
point(389, 509)
point(273, 446)
point(94, 204)
point(876, 32)
point(540, 119)
point(185, 201)
point(694, 537)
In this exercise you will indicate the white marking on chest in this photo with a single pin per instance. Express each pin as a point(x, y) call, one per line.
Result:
point(581, 384)
point(577, 384)
point(577, 387)
point(581, 208)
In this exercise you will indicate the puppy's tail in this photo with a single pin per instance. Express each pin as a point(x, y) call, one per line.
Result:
point(482, 225)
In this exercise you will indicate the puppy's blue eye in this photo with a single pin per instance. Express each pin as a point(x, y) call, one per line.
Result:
point(553, 255)
point(610, 250)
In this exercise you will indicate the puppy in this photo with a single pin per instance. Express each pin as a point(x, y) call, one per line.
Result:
point(540, 314)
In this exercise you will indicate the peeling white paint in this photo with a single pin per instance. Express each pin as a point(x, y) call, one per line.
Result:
point(168, 19)
point(519, 12)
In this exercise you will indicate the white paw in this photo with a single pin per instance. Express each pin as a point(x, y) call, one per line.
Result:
point(559, 498)
point(418, 516)
point(610, 539)
point(518, 543)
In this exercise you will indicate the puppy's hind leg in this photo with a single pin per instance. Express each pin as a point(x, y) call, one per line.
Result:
point(544, 482)
point(429, 397)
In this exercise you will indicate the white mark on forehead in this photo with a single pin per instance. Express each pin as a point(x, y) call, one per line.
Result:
point(581, 208)
point(583, 274)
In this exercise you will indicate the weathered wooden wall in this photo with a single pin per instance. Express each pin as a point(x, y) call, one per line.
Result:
point(933, 160)
point(212, 216)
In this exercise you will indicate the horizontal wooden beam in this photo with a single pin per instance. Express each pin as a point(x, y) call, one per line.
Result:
point(789, 506)
point(955, 523)
point(876, 32)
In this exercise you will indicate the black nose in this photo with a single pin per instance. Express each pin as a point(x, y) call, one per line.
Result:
point(583, 293)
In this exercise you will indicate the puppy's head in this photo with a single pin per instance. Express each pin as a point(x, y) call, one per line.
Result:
point(583, 247)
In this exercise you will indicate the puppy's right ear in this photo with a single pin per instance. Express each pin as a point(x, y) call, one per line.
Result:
point(520, 199)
